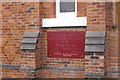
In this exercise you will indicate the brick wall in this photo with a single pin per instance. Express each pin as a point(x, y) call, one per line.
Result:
point(51, 67)
point(96, 21)
point(75, 66)
point(96, 16)
point(118, 13)
point(19, 17)
point(0, 37)
point(119, 33)
point(82, 9)
point(48, 9)
point(112, 54)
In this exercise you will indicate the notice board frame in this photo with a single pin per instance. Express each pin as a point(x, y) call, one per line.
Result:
point(65, 44)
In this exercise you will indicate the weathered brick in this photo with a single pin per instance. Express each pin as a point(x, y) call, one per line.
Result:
point(19, 17)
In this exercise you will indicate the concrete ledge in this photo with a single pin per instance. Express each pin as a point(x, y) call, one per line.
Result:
point(95, 34)
point(113, 71)
point(31, 34)
point(94, 48)
point(63, 68)
point(60, 22)
point(40, 68)
point(12, 66)
point(95, 74)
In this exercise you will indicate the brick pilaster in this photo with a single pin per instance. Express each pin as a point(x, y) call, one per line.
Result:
point(96, 21)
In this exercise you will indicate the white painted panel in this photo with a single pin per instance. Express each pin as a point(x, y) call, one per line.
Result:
point(94, 48)
point(64, 22)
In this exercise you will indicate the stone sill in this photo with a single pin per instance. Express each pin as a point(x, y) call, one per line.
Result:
point(66, 22)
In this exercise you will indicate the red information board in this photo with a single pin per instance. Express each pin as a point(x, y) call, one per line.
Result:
point(66, 44)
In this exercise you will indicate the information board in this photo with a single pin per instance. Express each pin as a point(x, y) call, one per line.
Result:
point(65, 44)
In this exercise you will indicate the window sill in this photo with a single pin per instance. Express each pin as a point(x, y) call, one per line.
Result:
point(64, 22)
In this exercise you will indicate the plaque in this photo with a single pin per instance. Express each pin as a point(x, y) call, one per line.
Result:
point(65, 44)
